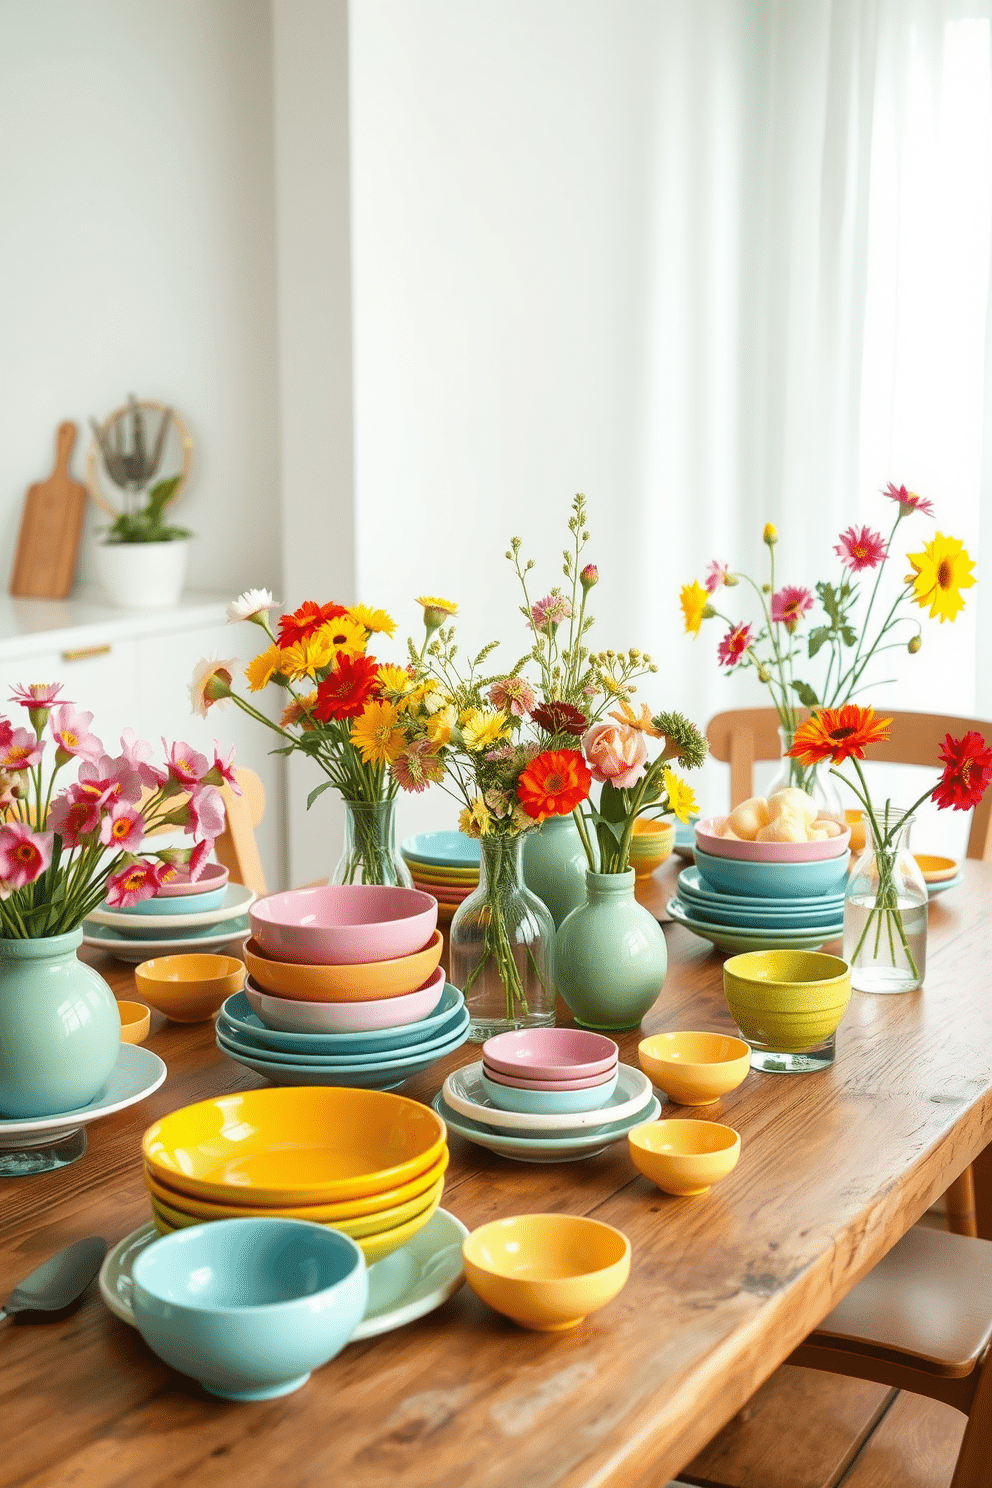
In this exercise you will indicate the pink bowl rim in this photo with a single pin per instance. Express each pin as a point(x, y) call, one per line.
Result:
point(768, 852)
point(267, 910)
point(261, 954)
point(554, 1086)
point(356, 1010)
point(554, 1053)
point(214, 876)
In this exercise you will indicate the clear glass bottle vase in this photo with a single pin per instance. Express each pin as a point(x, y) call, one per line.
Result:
point(815, 780)
point(369, 855)
point(501, 947)
point(885, 912)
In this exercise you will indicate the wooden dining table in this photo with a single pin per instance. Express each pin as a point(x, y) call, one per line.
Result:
point(835, 1166)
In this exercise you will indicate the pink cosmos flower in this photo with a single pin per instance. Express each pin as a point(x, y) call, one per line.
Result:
point(6, 732)
point(206, 812)
point(75, 813)
point(861, 549)
point(21, 751)
point(138, 753)
point(715, 575)
point(24, 854)
point(908, 500)
point(124, 827)
point(199, 858)
point(132, 884)
point(115, 777)
point(71, 732)
point(37, 694)
point(734, 645)
point(512, 695)
point(186, 765)
point(186, 863)
point(222, 770)
point(790, 604)
point(549, 612)
point(615, 753)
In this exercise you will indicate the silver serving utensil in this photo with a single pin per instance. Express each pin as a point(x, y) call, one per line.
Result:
point(55, 1287)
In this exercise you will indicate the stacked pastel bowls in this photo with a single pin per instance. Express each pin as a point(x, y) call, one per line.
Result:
point(368, 1164)
point(546, 1095)
point(445, 864)
point(208, 913)
point(752, 896)
point(344, 988)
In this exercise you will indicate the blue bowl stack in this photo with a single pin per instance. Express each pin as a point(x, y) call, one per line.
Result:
point(740, 905)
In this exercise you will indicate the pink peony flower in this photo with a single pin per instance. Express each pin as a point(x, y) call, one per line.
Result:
point(135, 882)
point(75, 813)
point(186, 765)
point(206, 812)
point(138, 753)
point(861, 548)
point(512, 695)
point(70, 730)
point(24, 854)
point(123, 827)
point(615, 753)
point(715, 576)
point(549, 612)
point(734, 645)
point(21, 751)
point(222, 770)
point(790, 604)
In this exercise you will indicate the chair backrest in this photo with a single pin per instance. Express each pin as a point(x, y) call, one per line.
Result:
point(236, 847)
point(741, 736)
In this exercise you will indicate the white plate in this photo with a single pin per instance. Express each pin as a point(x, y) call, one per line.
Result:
point(546, 1147)
point(463, 1091)
point(237, 898)
point(126, 948)
point(135, 1075)
point(403, 1286)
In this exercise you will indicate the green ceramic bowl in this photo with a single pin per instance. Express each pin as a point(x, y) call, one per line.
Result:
point(787, 1000)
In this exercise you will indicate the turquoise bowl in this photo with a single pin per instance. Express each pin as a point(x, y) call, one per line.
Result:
point(250, 1307)
point(549, 1102)
point(773, 880)
point(236, 1014)
point(175, 904)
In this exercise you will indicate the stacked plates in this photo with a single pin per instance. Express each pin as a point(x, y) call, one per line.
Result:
point(368, 1164)
point(445, 864)
point(741, 922)
point(184, 917)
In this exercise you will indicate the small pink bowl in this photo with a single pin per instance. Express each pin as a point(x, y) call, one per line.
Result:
point(288, 1016)
point(343, 924)
point(214, 876)
point(709, 839)
point(589, 1083)
point(550, 1054)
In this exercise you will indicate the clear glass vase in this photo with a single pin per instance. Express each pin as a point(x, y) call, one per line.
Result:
point(501, 947)
point(885, 913)
point(815, 780)
point(369, 855)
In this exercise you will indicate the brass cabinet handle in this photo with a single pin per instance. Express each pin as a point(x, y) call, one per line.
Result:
point(81, 652)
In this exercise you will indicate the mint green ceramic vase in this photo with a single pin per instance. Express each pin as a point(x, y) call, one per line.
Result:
point(610, 955)
point(555, 866)
point(60, 1030)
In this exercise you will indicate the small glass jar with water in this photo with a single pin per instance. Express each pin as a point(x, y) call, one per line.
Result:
point(885, 912)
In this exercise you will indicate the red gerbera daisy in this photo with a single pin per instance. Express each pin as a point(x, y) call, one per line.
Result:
point(861, 548)
point(967, 772)
point(347, 687)
point(908, 500)
point(554, 783)
point(560, 718)
point(304, 621)
point(734, 645)
point(790, 604)
point(837, 733)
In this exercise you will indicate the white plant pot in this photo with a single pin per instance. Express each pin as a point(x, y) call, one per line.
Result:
point(142, 576)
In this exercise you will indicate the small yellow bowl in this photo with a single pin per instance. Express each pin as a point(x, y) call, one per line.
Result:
point(694, 1069)
point(856, 821)
point(189, 988)
point(787, 1001)
point(135, 1022)
point(684, 1157)
point(651, 844)
point(936, 869)
point(363, 982)
point(546, 1271)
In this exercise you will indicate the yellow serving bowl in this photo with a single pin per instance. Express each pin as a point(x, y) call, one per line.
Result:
point(936, 869)
point(178, 1212)
point(135, 1022)
point(694, 1069)
point(684, 1157)
point(294, 1144)
point(344, 983)
point(787, 1001)
point(189, 988)
point(546, 1271)
point(651, 844)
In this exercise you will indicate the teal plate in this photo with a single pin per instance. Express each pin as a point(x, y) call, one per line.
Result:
point(249, 1043)
point(381, 1076)
point(729, 939)
point(544, 1148)
point(237, 1012)
point(126, 948)
point(692, 884)
point(442, 849)
point(947, 883)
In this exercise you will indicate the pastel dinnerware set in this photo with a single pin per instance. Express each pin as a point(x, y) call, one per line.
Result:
point(183, 915)
point(445, 864)
point(546, 1095)
point(344, 988)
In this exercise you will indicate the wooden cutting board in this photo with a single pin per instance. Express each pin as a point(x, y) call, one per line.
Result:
point(51, 526)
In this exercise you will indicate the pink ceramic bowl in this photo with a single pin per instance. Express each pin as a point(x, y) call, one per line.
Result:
point(709, 839)
point(214, 876)
point(345, 1017)
point(343, 924)
point(550, 1054)
point(553, 1086)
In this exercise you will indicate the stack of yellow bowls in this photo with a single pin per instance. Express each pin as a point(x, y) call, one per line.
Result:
point(361, 1161)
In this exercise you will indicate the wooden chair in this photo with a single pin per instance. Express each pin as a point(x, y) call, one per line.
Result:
point(236, 847)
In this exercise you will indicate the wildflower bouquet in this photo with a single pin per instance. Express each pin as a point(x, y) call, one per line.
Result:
point(850, 632)
point(63, 852)
point(884, 925)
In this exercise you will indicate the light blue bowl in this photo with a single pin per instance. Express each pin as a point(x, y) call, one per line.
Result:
point(250, 1306)
point(549, 1102)
point(249, 1043)
point(773, 880)
point(442, 849)
point(381, 1074)
point(175, 904)
point(236, 1014)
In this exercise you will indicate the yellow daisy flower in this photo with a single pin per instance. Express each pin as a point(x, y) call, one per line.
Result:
point(694, 601)
point(681, 797)
point(941, 571)
point(394, 679)
point(440, 724)
point(342, 634)
point(483, 729)
point(263, 667)
point(475, 820)
point(373, 620)
point(305, 658)
point(436, 611)
point(376, 734)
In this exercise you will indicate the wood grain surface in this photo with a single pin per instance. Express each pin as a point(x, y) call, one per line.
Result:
point(835, 1167)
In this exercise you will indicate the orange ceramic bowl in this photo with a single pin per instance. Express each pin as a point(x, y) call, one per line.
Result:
point(343, 983)
point(135, 1022)
point(189, 988)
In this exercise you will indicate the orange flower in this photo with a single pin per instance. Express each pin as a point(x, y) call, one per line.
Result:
point(554, 783)
point(837, 733)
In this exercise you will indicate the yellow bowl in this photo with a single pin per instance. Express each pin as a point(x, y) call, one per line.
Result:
point(684, 1157)
point(294, 1144)
point(345, 983)
point(936, 869)
point(546, 1271)
point(787, 1001)
point(179, 1211)
point(694, 1069)
point(135, 1022)
point(459, 877)
point(651, 844)
point(856, 821)
point(189, 988)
